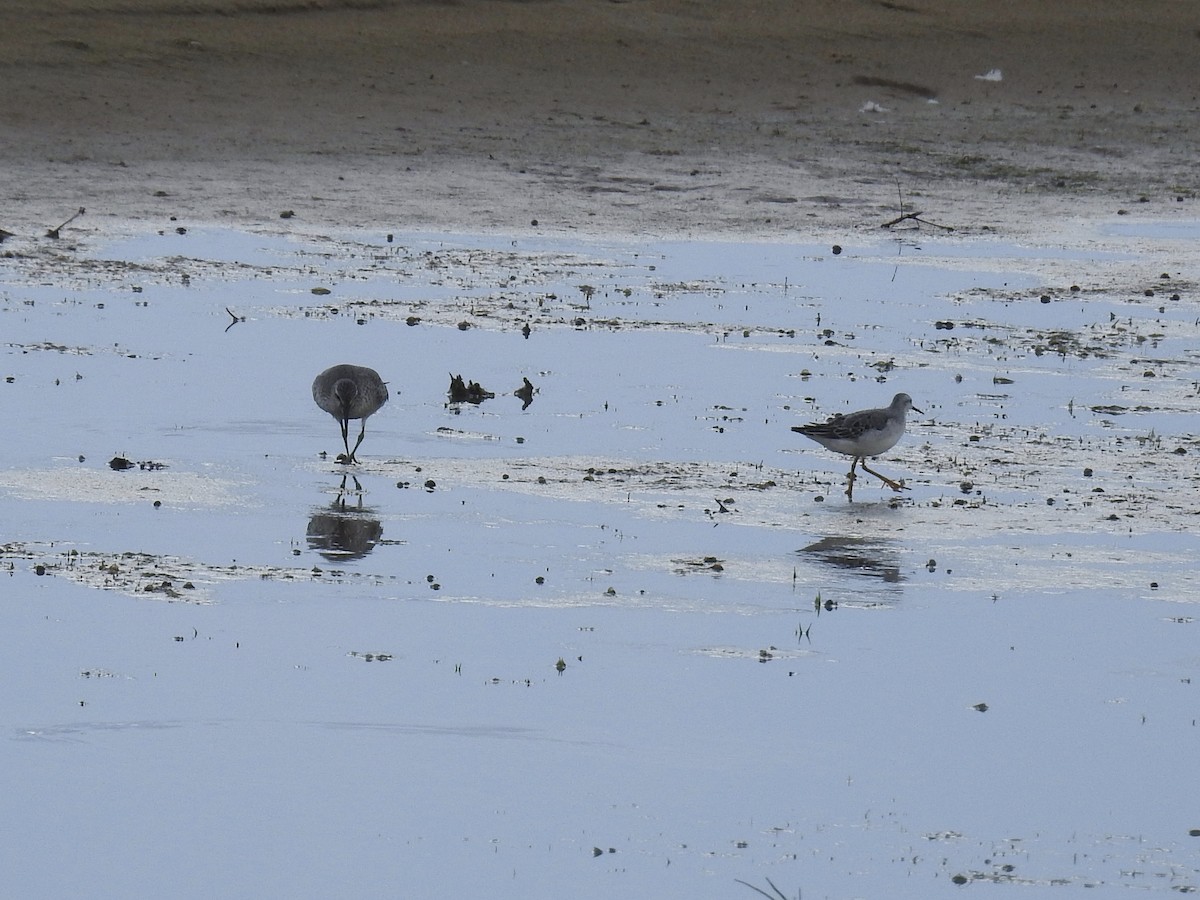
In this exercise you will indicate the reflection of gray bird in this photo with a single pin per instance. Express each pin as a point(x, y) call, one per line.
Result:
point(342, 532)
point(350, 392)
point(867, 432)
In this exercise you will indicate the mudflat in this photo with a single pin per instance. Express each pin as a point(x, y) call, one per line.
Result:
point(659, 117)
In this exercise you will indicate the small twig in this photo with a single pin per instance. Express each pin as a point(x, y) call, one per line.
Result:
point(913, 216)
point(916, 217)
point(53, 232)
point(777, 891)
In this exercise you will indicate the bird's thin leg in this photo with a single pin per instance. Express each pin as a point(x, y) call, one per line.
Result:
point(346, 439)
point(850, 480)
point(362, 434)
point(894, 485)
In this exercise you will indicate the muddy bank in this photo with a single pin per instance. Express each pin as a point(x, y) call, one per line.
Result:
point(664, 117)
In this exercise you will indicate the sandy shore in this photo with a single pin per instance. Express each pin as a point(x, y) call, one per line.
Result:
point(662, 117)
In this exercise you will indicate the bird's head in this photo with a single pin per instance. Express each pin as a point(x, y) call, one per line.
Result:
point(345, 391)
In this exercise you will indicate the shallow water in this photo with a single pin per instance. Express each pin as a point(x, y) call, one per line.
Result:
point(299, 682)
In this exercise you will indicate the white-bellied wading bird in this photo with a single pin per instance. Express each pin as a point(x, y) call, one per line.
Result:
point(350, 392)
point(867, 432)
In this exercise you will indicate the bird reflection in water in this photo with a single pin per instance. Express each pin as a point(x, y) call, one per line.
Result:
point(344, 531)
point(866, 556)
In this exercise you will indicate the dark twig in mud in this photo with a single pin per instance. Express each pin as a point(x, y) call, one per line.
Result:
point(911, 216)
point(778, 895)
point(53, 232)
point(916, 217)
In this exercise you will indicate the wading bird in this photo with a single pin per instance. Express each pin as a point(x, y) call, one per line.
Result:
point(350, 392)
point(861, 434)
